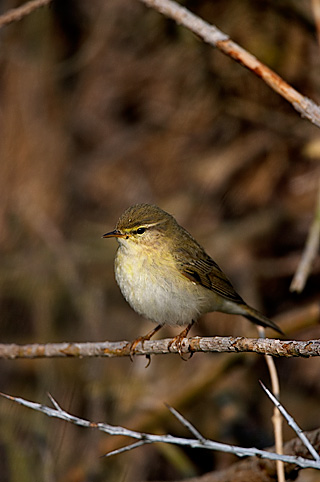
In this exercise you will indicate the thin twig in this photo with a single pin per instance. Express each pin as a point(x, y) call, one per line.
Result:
point(276, 418)
point(309, 253)
point(212, 35)
point(151, 438)
point(186, 423)
point(18, 13)
point(292, 423)
point(316, 12)
point(126, 448)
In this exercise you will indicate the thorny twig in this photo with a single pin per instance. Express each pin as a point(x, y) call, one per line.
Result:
point(145, 438)
point(292, 423)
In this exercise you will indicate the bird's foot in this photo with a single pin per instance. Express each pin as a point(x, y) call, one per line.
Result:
point(142, 339)
point(177, 341)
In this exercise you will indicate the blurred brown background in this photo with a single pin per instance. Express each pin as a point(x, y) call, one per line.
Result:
point(106, 104)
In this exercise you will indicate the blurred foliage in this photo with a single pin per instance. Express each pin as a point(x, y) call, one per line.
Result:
point(106, 104)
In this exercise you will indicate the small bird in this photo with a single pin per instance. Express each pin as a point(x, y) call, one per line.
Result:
point(167, 277)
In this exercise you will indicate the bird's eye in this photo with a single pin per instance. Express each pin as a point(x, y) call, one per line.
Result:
point(141, 230)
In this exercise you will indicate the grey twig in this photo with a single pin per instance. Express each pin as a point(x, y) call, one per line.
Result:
point(186, 423)
point(126, 448)
point(144, 438)
point(292, 423)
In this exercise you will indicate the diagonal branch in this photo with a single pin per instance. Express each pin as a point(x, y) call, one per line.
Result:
point(18, 13)
point(292, 423)
point(310, 252)
point(213, 36)
point(186, 423)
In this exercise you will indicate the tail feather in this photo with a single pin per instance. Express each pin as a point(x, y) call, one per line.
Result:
point(259, 319)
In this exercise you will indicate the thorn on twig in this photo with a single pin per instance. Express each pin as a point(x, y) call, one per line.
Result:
point(186, 423)
point(292, 423)
point(126, 448)
point(54, 403)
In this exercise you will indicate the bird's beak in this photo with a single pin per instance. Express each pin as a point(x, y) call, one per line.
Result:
point(114, 234)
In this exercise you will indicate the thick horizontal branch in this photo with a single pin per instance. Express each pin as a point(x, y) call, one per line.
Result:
point(217, 344)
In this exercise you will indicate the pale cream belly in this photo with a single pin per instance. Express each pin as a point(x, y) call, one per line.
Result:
point(159, 292)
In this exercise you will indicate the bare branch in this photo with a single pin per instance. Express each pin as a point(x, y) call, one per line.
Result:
point(310, 252)
point(186, 423)
point(276, 418)
point(258, 470)
point(291, 423)
point(126, 448)
point(316, 12)
point(213, 36)
point(18, 13)
point(144, 438)
point(217, 344)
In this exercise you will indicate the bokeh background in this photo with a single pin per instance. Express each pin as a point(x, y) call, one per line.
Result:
point(107, 104)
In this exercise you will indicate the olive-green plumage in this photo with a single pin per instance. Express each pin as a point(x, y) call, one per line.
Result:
point(166, 275)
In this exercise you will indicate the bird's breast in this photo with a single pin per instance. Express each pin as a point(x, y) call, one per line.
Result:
point(151, 283)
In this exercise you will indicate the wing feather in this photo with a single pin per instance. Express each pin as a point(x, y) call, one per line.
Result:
point(200, 268)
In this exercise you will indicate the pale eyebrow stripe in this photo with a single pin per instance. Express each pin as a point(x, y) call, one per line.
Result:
point(150, 225)
point(146, 225)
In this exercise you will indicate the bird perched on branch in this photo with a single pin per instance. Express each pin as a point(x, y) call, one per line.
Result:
point(166, 275)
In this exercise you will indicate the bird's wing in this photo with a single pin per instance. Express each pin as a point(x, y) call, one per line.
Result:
point(201, 269)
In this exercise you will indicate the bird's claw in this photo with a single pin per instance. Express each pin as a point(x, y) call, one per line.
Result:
point(177, 342)
point(142, 339)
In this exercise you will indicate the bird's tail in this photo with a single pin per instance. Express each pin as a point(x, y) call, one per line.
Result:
point(259, 319)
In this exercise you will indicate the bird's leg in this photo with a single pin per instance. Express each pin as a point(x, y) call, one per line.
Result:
point(177, 340)
point(142, 339)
